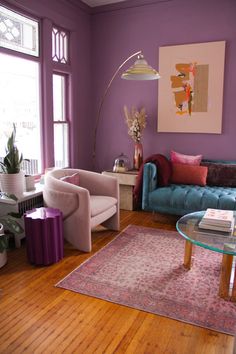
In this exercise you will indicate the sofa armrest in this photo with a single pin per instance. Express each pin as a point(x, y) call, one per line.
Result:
point(149, 182)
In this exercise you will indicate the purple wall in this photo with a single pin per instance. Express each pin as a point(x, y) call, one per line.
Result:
point(118, 32)
point(105, 36)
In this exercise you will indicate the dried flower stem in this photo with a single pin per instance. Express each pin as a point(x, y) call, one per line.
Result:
point(136, 122)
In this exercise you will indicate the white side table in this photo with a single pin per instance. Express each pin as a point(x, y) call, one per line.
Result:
point(29, 200)
point(127, 181)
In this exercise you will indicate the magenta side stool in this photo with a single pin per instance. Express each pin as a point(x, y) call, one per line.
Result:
point(44, 235)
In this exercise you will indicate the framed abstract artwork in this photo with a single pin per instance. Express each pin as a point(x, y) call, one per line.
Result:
point(190, 93)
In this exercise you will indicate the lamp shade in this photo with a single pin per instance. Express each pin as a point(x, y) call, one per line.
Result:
point(140, 71)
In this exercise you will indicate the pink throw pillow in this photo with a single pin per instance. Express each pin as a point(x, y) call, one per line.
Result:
point(176, 157)
point(189, 174)
point(73, 179)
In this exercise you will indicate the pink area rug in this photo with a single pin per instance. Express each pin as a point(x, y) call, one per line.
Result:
point(142, 268)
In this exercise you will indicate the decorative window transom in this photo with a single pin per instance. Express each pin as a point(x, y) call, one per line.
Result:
point(18, 32)
point(60, 39)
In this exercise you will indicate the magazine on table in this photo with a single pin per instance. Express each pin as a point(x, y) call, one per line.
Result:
point(215, 233)
point(218, 217)
point(208, 226)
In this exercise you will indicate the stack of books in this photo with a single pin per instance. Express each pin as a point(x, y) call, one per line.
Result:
point(218, 220)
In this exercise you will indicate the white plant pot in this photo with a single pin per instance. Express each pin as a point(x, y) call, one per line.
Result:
point(12, 183)
point(29, 183)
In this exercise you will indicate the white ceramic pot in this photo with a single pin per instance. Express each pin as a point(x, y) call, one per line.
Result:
point(12, 183)
point(29, 183)
point(3, 255)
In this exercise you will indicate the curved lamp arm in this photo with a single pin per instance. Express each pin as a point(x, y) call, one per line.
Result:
point(102, 101)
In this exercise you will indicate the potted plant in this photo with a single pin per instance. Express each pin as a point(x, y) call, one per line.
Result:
point(9, 223)
point(11, 176)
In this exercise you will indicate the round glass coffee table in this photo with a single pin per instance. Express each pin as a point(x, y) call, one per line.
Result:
point(215, 241)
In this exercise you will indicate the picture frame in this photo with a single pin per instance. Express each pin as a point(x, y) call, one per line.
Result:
point(190, 92)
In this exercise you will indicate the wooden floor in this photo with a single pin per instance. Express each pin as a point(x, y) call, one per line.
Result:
point(36, 317)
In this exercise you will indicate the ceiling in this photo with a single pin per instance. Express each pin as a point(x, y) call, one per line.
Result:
point(94, 3)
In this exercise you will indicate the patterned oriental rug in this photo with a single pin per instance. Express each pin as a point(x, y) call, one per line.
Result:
point(142, 268)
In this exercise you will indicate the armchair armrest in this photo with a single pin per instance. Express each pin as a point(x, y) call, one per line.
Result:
point(65, 201)
point(149, 182)
point(65, 196)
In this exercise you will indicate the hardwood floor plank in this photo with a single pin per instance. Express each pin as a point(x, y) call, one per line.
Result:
point(37, 317)
point(52, 327)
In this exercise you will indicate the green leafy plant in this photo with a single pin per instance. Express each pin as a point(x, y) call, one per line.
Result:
point(13, 159)
point(3, 242)
point(11, 225)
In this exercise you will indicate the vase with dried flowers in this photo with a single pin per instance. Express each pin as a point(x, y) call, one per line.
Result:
point(136, 122)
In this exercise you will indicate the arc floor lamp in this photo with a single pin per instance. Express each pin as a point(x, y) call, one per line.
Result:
point(140, 70)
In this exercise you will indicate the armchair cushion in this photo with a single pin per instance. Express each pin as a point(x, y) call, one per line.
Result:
point(99, 204)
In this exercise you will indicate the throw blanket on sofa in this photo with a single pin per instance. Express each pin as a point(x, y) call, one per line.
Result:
point(164, 174)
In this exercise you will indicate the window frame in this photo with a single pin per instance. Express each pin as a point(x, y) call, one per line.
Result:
point(33, 58)
point(67, 120)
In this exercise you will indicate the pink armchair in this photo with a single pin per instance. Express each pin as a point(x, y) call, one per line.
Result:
point(95, 201)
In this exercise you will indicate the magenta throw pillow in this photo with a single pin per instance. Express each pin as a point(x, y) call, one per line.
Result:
point(176, 157)
point(73, 179)
point(189, 174)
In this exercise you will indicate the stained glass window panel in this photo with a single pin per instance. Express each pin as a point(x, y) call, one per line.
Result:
point(60, 40)
point(18, 32)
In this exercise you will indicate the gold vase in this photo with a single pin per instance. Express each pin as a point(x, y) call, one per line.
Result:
point(138, 156)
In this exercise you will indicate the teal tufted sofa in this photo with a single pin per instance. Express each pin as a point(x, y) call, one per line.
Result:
point(181, 199)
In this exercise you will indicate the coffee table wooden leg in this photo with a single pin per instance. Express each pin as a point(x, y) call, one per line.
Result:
point(225, 274)
point(233, 297)
point(188, 254)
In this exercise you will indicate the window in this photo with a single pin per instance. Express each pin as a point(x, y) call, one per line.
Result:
point(60, 40)
point(60, 121)
point(20, 85)
point(18, 32)
point(19, 104)
point(59, 46)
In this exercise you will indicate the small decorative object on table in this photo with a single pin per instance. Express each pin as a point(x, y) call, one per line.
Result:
point(29, 183)
point(136, 122)
point(121, 164)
